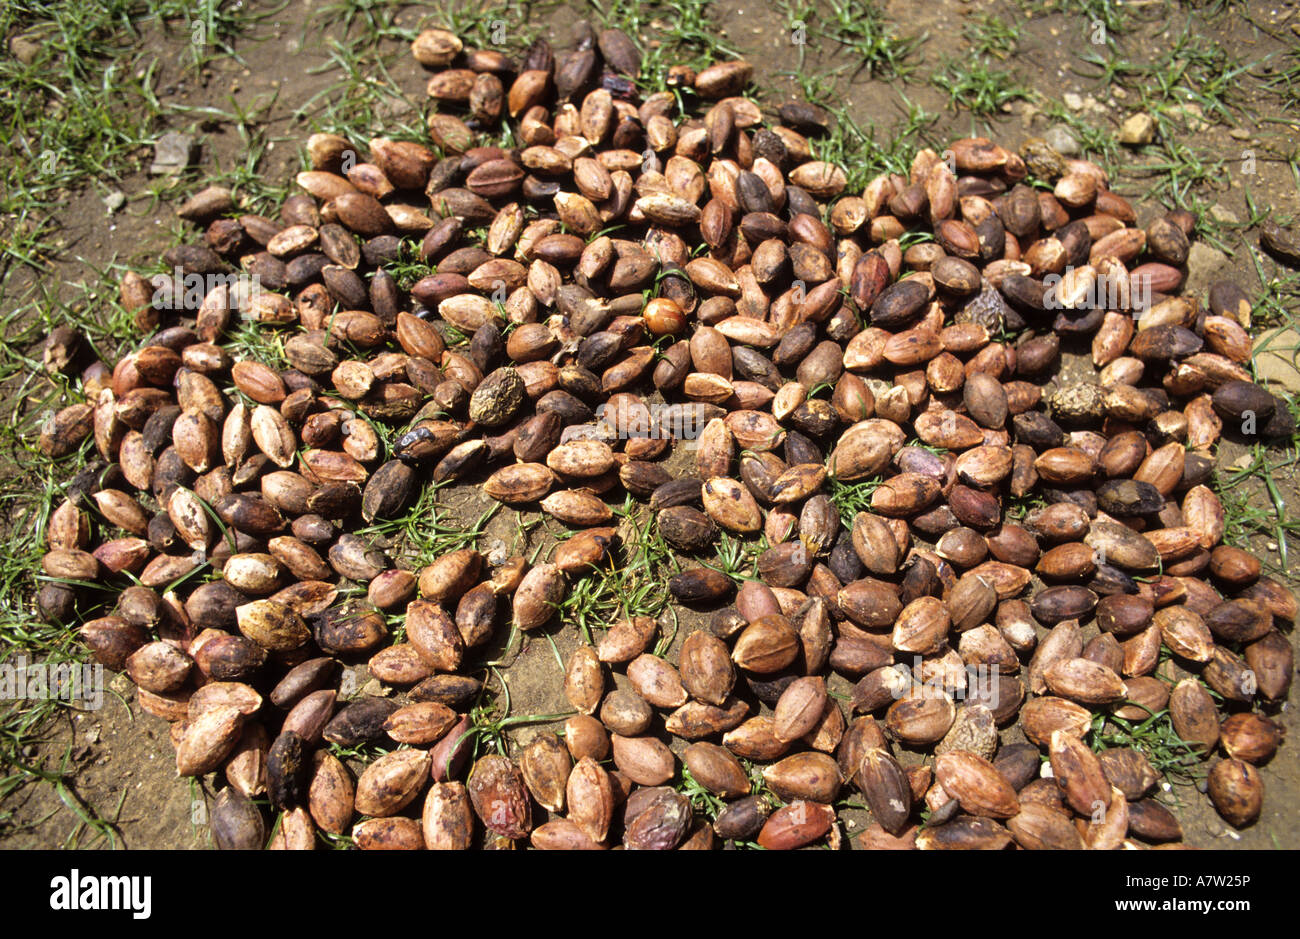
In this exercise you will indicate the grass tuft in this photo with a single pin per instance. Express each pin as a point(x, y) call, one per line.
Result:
point(631, 586)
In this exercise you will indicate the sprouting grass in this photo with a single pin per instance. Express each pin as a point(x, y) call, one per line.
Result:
point(852, 498)
point(864, 156)
point(81, 110)
point(503, 26)
point(364, 97)
point(1194, 70)
point(703, 802)
point(1247, 515)
point(1283, 76)
point(334, 842)
point(1095, 139)
point(863, 152)
point(1110, 14)
point(738, 557)
point(1178, 169)
point(247, 340)
point(425, 531)
point(32, 486)
point(1020, 506)
point(17, 727)
point(1278, 302)
point(862, 35)
point(635, 585)
point(490, 719)
point(1193, 78)
point(374, 18)
point(1177, 761)
point(680, 33)
point(988, 34)
point(407, 267)
point(978, 85)
point(254, 189)
point(363, 753)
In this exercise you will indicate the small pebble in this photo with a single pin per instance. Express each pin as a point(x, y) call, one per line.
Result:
point(172, 153)
point(1137, 130)
point(1062, 140)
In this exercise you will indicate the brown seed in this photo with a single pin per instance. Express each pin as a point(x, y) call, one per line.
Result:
point(922, 717)
point(538, 596)
point(447, 821)
point(1272, 661)
point(392, 782)
point(546, 765)
point(1077, 773)
point(766, 645)
point(644, 760)
point(656, 681)
point(1251, 737)
point(1043, 716)
point(499, 797)
point(706, 669)
point(584, 680)
point(626, 639)
point(207, 740)
point(272, 625)
point(812, 776)
point(1038, 828)
point(694, 720)
point(922, 626)
point(1237, 792)
point(420, 724)
point(800, 707)
point(795, 825)
point(390, 834)
point(591, 799)
point(976, 784)
point(1194, 715)
point(519, 483)
point(729, 504)
point(1085, 681)
point(716, 769)
point(885, 786)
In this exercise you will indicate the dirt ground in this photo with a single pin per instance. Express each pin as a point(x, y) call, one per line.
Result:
point(123, 760)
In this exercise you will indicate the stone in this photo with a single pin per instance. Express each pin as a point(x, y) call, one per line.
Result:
point(1190, 115)
point(114, 201)
point(1078, 403)
point(172, 153)
point(24, 49)
point(974, 731)
point(1137, 129)
point(1204, 265)
point(1062, 140)
point(1223, 215)
point(1073, 101)
point(1277, 358)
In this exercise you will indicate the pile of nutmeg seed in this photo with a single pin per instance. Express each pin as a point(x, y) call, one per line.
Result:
point(626, 281)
